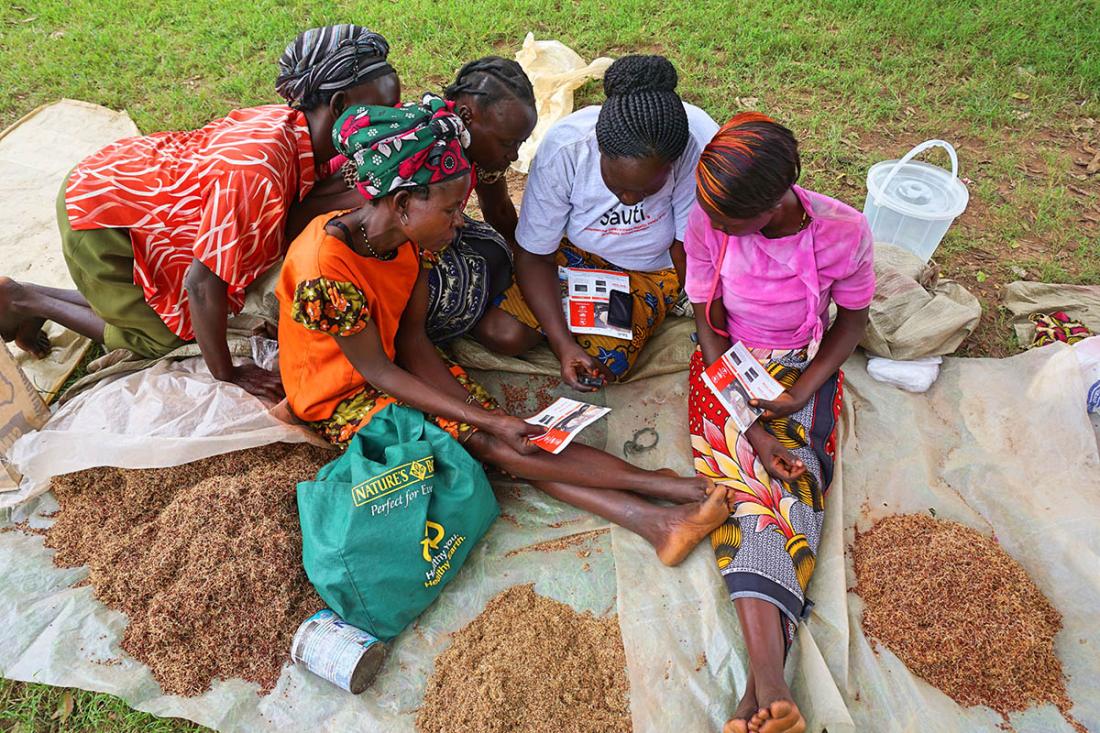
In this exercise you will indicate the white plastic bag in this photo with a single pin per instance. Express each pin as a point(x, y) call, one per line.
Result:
point(172, 413)
point(916, 375)
point(556, 71)
point(1088, 356)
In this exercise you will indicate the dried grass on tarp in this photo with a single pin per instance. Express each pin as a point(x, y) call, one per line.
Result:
point(960, 613)
point(204, 559)
point(529, 664)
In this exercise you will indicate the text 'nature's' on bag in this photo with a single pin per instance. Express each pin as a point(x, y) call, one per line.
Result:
point(389, 523)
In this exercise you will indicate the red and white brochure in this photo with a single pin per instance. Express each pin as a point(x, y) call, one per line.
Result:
point(738, 377)
point(563, 420)
point(588, 300)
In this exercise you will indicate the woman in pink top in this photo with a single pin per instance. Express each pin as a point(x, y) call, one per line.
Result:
point(764, 260)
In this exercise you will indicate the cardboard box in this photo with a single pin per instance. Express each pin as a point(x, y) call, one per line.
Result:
point(21, 411)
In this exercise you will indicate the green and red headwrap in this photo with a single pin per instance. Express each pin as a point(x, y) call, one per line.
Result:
point(409, 146)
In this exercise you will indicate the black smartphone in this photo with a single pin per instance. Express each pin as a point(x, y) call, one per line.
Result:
point(620, 312)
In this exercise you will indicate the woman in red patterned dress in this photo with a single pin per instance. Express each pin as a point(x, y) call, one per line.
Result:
point(163, 233)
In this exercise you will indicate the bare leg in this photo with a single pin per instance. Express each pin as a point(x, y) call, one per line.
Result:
point(673, 531)
point(24, 308)
point(581, 465)
point(763, 631)
point(501, 333)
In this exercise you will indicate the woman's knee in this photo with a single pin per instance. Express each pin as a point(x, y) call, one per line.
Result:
point(501, 333)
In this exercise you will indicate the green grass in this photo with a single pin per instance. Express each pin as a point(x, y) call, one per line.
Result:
point(28, 708)
point(858, 81)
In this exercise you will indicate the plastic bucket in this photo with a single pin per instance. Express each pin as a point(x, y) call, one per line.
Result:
point(912, 204)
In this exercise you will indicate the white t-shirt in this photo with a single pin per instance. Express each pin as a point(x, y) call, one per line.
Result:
point(567, 198)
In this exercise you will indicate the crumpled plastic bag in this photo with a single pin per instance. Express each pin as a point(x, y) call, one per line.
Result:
point(556, 71)
point(915, 375)
point(172, 413)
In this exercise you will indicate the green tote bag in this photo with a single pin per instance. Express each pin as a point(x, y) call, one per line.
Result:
point(388, 524)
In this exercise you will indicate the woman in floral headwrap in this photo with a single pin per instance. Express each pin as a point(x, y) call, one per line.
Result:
point(353, 300)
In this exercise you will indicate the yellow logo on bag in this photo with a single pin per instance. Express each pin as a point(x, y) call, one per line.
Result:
point(438, 553)
point(393, 480)
point(431, 542)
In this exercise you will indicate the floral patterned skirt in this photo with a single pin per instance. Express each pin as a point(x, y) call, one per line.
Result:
point(653, 294)
point(767, 547)
point(356, 411)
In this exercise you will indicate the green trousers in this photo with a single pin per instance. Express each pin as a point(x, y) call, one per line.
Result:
point(101, 263)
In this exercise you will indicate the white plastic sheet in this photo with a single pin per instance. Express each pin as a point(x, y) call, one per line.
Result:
point(35, 155)
point(172, 413)
point(1001, 445)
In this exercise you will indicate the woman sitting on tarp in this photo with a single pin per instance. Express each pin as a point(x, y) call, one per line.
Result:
point(352, 302)
point(610, 188)
point(163, 233)
point(495, 100)
point(764, 260)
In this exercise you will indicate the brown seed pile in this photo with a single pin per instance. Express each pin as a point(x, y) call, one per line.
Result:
point(528, 664)
point(205, 559)
point(960, 613)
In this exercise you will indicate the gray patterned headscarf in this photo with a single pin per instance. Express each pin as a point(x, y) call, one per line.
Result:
point(330, 59)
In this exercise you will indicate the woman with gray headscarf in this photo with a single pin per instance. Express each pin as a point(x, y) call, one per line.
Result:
point(163, 233)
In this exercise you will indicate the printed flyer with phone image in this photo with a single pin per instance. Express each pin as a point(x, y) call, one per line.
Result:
point(738, 377)
point(598, 302)
point(563, 420)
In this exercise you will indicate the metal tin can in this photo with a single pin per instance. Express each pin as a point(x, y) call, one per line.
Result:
point(337, 651)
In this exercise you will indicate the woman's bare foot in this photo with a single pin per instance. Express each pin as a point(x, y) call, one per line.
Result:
point(25, 331)
point(781, 716)
point(687, 525)
point(683, 489)
point(739, 723)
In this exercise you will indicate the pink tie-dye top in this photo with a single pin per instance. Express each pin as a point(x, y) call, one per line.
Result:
point(777, 291)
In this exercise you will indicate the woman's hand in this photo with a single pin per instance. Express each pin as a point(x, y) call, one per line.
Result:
point(515, 432)
point(258, 381)
point(575, 363)
point(782, 406)
point(779, 462)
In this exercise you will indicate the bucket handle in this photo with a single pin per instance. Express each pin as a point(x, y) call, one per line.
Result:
point(917, 150)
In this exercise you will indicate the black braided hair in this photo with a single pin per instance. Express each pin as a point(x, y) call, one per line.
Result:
point(492, 79)
point(643, 115)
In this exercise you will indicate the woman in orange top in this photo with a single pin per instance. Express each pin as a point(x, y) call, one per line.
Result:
point(352, 302)
point(163, 233)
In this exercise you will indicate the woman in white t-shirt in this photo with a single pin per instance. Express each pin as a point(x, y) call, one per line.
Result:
point(610, 188)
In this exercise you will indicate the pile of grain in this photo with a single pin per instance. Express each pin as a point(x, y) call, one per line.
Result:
point(960, 612)
point(529, 664)
point(204, 559)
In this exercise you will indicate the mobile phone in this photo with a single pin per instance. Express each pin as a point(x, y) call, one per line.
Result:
point(620, 309)
point(589, 381)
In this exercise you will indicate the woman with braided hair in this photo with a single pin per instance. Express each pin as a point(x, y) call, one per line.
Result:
point(494, 99)
point(352, 304)
point(163, 233)
point(610, 188)
point(765, 258)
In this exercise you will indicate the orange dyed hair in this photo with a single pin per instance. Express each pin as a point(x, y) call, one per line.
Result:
point(748, 165)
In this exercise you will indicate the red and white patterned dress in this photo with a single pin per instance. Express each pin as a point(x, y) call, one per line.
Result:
point(219, 194)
